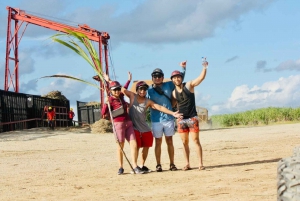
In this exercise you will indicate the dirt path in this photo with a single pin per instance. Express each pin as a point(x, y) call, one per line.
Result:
point(62, 165)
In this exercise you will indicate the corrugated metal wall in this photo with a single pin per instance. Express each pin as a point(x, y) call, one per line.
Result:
point(88, 114)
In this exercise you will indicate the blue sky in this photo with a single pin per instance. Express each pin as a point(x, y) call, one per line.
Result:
point(252, 46)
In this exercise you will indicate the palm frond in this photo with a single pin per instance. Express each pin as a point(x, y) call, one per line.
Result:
point(72, 78)
point(88, 53)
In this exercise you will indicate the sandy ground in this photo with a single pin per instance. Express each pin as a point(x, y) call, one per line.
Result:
point(75, 165)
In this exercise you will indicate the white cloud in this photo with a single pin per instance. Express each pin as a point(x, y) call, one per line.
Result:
point(178, 21)
point(284, 92)
point(152, 21)
point(69, 88)
point(26, 65)
point(29, 87)
point(202, 100)
point(289, 65)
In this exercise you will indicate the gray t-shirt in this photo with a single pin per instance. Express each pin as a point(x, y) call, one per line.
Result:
point(138, 113)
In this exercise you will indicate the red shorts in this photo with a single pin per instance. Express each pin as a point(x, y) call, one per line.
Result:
point(143, 139)
point(188, 125)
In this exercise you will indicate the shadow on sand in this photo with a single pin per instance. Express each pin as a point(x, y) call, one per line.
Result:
point(244, 163)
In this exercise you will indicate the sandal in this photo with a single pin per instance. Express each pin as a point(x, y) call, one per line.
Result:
point(185, 168)
point(201, 168)
point(158, 168)
point(173, 167)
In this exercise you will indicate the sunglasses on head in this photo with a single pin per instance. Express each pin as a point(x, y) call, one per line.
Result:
point(157, 76)
point(117, 89)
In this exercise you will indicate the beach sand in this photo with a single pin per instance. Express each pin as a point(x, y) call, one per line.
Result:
point(241, 164)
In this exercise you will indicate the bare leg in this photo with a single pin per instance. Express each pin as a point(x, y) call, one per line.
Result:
point(196, 139)
point(120, 154)
point(144, 155)
point(157, 150)
point(186, 148)
point(169, 141)
point(134, 152)
point(138, 149)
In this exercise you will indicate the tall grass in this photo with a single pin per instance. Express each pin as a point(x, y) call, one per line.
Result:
point(263, 116)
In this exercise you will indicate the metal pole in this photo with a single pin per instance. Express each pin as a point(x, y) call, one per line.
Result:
point(7, 50)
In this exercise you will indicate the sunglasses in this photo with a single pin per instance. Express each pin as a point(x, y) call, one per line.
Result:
point(143, 88)
point(157, 76)
point(117, 89)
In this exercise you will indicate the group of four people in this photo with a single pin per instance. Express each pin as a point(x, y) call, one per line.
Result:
point(130, 119)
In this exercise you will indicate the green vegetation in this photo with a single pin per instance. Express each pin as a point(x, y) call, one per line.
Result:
point(263, 116)
point(81, 45)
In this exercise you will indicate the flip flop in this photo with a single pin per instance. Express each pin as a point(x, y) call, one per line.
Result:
point(201, 168)
point(185, 168)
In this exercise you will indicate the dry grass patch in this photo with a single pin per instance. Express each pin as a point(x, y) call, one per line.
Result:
point(102, 126)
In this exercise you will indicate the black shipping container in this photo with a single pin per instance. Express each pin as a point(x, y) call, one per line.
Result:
point(17, 108)
point(88, 113)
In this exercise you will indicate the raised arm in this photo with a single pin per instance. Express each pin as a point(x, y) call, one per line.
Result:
point(125, 90)
point(107, 79)
point(128, 93)
point(183, 65)
point(128, 81)
point(201, 77)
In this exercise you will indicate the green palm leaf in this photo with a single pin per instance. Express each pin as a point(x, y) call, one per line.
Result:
point(72, 78)
point(81, 45)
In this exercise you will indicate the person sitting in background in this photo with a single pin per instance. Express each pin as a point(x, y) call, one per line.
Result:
point(71, 115)
point(51, 117)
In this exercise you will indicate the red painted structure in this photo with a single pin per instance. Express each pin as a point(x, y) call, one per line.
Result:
point(13, 40)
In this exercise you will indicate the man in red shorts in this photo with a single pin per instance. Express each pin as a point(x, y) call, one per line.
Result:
point(186, 104)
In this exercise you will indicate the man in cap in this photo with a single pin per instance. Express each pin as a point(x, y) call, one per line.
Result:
point(162, 124)
point(186, 104)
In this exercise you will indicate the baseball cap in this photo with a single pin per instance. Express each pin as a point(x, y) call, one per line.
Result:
point(157, 71)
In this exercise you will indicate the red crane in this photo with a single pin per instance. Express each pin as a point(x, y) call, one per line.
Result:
point(13, 40)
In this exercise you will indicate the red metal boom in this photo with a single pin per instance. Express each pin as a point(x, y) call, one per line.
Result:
point(13, 40)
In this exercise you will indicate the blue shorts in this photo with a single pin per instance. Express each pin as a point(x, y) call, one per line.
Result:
point(160, 128)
